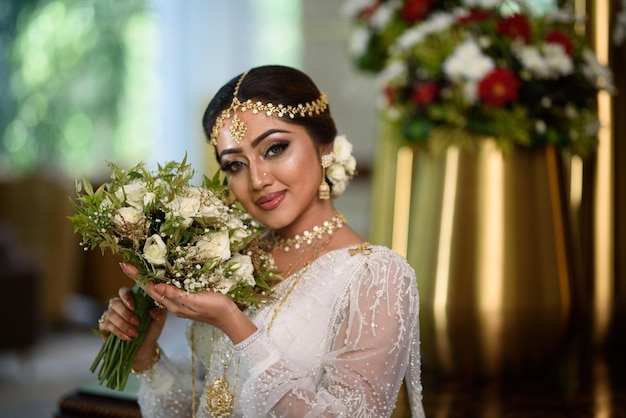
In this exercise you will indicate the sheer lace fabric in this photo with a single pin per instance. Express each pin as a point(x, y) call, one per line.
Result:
point(339, 347)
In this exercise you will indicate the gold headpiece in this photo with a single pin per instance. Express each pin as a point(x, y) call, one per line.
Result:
point(238, 128)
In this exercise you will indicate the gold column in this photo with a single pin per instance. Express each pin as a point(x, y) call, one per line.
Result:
point(603, 187)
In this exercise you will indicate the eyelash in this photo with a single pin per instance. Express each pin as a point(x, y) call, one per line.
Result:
point(272, 151)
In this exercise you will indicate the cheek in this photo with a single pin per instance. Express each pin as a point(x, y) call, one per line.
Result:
point(239, 187)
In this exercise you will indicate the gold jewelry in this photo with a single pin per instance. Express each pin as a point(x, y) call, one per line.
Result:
point(103, 318)
point(238, 128)
point(295, 281)
point(219, 398)
point(113, 300)
point(162, 297)
point(328, 227)
point(155, 358)
point(324, 189)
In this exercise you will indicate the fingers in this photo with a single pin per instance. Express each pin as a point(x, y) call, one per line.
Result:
point(130, 270)
point(119, 319)
point(174, 299)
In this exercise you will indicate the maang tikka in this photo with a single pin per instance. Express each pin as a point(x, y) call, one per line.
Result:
point(238, 129)
point(324, 189)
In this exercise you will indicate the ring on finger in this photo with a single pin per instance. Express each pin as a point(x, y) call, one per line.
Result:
point(113, 300)
point(161, 300)
point(159, 305)
point(103, 318)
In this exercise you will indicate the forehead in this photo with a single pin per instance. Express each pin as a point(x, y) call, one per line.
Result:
point(252, 126)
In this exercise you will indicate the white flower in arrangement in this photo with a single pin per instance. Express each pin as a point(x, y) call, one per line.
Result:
point(558, 61)
point(155, 250)
point(212, 246)
point(359, 39)
point(382, 16)
point(133, 194)
point(241, 268)
point(599, 75)
point(549, 62)
point(149, 198)
point(238, 229)
point(468, 62)
point(127, 215)
point(185, 207)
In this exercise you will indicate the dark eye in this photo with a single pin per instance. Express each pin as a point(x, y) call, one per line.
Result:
point(232, 166)
point(276, 149)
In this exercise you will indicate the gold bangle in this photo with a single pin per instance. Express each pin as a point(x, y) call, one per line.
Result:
point(155, 358)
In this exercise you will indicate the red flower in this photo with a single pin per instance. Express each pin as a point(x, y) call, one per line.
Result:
point(516, 27)
point(424, 94)
point(367, 12)
point(475, 16)
point(389, 94)
point(498, 88)
point(414, 10)
point(560, 38)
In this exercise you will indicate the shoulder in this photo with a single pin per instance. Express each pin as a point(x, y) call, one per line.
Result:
point(379, 264)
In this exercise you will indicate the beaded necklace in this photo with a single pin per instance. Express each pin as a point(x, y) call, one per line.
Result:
point(328, 227)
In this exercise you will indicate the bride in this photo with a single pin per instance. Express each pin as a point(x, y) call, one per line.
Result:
point(341, 334)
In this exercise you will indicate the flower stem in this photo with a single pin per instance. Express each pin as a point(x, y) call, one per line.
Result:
point(115, 358)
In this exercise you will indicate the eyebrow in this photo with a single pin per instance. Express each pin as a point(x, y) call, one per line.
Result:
point(254, 142)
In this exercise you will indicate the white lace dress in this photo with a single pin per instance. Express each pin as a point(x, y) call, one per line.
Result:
point(339, 346)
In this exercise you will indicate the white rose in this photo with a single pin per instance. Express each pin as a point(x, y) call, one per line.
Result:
point(155, 251)
point(242, 269)
point(342, 149)
point(134, 193)
point(339, 188)
point(336, 173)
point(185, 207)
point(213, 246)
point(149, 198)
point(127, 215)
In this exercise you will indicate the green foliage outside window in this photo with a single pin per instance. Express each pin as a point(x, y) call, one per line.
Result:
point(76, 89)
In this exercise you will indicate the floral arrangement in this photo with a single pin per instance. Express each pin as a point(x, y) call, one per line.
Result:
point(455, 71)
point(343, 167)
point(195, 238)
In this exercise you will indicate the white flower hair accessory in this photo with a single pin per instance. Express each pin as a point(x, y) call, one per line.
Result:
point(343, 167)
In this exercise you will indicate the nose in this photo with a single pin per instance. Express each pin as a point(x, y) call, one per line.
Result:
point(259, 178)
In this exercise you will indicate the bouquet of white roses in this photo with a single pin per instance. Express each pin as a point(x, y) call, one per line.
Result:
point(195, 238)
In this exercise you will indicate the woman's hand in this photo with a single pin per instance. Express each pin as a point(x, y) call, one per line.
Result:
point(209, 307)
point(120, 320)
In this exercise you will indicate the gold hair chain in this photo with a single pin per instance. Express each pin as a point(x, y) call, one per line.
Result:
point(238, 129)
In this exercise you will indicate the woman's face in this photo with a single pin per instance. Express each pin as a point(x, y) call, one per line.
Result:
point(274, 172)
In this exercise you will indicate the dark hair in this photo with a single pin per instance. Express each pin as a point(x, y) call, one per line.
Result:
point(275, 84)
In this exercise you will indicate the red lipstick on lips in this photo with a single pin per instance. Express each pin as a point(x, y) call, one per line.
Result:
point(270, 201)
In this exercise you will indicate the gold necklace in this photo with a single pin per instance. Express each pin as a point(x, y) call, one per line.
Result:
point(328, 227)
point(296, 280)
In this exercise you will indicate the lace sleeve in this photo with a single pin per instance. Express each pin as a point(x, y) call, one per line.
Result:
point(165, 389)
point(373, 331)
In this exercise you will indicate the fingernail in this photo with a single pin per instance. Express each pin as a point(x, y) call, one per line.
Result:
point(123, 267)
point(134, 320)
point(132, 332)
